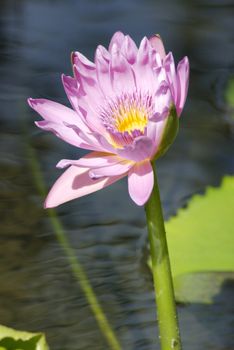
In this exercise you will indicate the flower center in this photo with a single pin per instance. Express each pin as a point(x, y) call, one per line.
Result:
point(130, 118)
point(126, 118)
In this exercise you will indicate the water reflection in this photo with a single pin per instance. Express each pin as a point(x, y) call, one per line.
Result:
point(37, 290)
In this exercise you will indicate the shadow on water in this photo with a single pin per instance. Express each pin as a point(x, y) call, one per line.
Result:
point(107, 231)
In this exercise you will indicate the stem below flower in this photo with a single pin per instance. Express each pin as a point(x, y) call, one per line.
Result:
point(163, 285)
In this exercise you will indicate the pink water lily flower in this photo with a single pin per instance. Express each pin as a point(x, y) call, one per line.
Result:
point(120, 106)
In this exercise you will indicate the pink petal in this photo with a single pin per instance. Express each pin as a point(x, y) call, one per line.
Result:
point(103, 72)
point(129, 49)
point(90, 100)
point(169, 66)
point(122, 76)
point(64, 133)
point(144, 69)
point(143, 52)
point(84, 65)
point(75, 182)
point(74, 94)
point(162, 102)
point(155, 132)
point(53, 111)
point(182, 81)
point(117, 39)
point(55, 115)
point(140, 149)
point(141, 182)
point(91, 160)
point(111, 170)
point(72, 89)
point(157, 44)
point(91, 138)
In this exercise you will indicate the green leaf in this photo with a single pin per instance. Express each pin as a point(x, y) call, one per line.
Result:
point(201, 240)
point(11, 339)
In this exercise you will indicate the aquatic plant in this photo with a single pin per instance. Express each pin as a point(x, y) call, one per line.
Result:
point(122, 104)
point(125, 109)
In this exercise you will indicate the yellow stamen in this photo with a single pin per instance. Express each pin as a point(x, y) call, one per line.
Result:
point(131, 119)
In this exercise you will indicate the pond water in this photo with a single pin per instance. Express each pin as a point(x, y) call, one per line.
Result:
point(107, 231)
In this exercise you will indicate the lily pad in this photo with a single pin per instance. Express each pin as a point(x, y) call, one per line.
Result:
point(10, 339)
point(200, 241)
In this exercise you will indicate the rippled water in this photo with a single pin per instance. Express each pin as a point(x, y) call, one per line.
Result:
point(107, 231)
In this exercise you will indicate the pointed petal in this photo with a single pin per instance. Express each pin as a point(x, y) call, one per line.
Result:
point(117, 39)
point(144, 68)
point(157, 44)
point(140, 182)
point(129, 49)
point(122, 77)
point(84, 65)
point(182, 81)
point(169, 66)
point(75, 182)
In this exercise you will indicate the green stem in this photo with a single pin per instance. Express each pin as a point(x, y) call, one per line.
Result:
point(163, 285)
point(75, 265)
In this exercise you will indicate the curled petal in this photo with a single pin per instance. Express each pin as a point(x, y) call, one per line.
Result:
point(54, 115)
point(159, 116)
point(163, 101)
point(75, 182)
point(85, 66)
point(92, 160)
point(111, 170)
point(140, 149)
point(64, 133)
point(140, 182)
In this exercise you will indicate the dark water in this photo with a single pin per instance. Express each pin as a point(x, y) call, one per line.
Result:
point(37, 290)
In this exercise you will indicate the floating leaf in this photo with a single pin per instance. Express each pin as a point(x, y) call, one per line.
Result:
point(201, 240)
point(10, 339)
